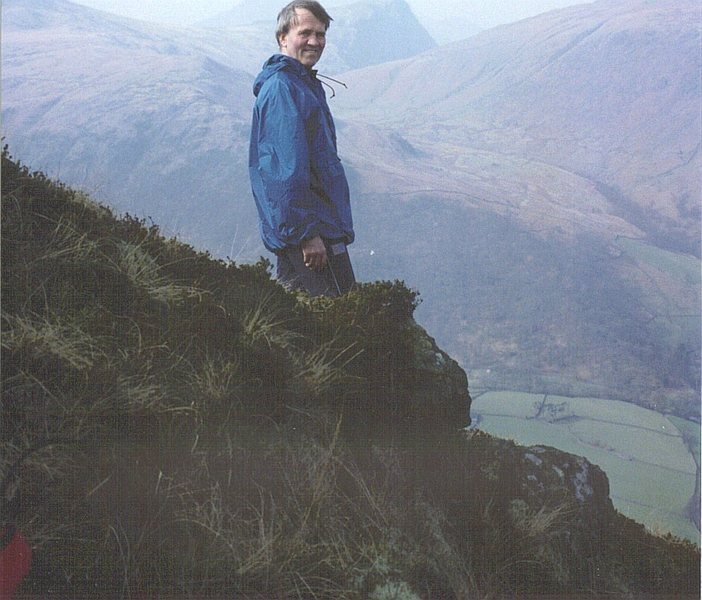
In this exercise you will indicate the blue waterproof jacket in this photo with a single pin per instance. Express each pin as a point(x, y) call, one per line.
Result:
point(297, 179)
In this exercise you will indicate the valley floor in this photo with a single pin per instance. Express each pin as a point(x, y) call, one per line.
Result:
point(651, 459)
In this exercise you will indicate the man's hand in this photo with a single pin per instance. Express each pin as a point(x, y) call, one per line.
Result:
point(314, 253)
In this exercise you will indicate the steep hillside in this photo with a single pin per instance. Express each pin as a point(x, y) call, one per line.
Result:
point(369, 31)
point(191, 430)
point(608, 91)
point(130, 109)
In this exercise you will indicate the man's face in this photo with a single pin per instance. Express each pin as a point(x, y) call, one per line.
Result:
point(306, 40)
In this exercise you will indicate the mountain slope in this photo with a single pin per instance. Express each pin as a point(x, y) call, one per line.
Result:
point(139, 112)
point(368, 32)
point(533, 152)
point(194, 430)
point(608, 91)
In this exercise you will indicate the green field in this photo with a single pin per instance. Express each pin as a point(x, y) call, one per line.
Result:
point(651, 469)
point(691, 431)
point(683, 267)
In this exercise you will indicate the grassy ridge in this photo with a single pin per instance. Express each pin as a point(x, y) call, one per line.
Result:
point(651, 469)
point(198, 432)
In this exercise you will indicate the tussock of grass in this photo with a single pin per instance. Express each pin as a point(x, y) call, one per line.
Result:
point(144, 273)
point(65, 342)
point(322, 372)
point(217, 381)
point(67, 244)
point(266, 322)
point(215, 436)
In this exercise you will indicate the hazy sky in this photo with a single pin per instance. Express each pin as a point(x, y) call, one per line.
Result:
point(185, 12)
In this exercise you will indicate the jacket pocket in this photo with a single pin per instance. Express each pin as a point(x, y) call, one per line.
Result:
point(328, 178)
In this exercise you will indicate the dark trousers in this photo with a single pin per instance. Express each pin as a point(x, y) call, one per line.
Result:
point(335, 279)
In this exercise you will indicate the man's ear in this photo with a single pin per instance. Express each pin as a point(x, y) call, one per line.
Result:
point(282, 40)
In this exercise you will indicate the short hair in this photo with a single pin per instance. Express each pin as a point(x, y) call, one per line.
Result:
point(287, 17)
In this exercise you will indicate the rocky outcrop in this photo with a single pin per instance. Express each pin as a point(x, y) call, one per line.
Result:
point(544, 471)
point(441, 389)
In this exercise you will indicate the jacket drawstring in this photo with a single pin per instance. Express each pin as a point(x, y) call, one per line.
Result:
point(328, 85)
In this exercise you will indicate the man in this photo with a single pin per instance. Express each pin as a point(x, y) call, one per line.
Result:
point(299, 185)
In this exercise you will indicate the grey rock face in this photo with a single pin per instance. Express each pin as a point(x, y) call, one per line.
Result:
point(442, 391)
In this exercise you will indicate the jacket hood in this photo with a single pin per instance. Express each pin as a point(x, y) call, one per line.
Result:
point(279, 62)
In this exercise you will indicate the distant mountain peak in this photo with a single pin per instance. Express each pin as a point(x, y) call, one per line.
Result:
point(363, 33)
